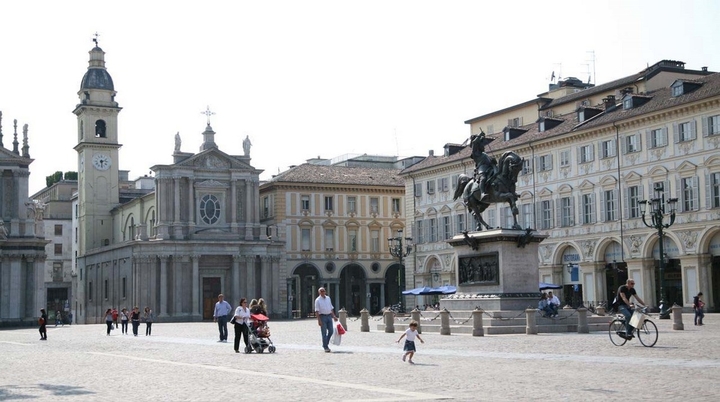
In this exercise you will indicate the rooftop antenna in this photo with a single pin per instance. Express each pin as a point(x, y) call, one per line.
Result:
point(559, 70)
point(95, 39)
point(592, 59)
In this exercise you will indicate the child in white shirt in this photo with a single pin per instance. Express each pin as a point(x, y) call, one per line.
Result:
point(409, 347)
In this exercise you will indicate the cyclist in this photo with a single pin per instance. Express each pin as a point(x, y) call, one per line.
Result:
point(625, 293)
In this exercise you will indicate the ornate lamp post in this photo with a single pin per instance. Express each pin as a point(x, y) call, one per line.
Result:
point(395, 245)
point(657, 215)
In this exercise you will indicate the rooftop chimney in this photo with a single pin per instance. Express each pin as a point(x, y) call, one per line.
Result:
point(431, 153)
point(704, 68)
point(609, 102)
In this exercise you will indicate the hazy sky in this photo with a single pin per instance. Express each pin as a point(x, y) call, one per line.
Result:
point(317, 78)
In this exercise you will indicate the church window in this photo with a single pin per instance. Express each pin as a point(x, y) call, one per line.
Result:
point(209, 209)
point(100, 129)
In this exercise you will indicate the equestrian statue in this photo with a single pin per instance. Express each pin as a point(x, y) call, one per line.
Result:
point(492, 182)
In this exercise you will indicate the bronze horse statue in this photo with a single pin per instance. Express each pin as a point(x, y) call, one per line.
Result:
point(500, 188)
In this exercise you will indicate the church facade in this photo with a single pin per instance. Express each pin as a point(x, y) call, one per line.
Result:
point(22, 246)
point(172, 242)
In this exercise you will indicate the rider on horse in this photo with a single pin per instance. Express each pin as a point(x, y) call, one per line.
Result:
point(485, 166)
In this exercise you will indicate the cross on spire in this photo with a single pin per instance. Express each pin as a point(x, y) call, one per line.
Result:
point(208, 113)
point(95, 39)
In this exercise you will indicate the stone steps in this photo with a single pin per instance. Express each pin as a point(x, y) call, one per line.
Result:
point(504, 322)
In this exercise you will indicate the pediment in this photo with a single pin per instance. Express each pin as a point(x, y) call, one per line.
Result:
point(687, 167)
point(565, 188)
point(431, 211)
point(586, 185)
point(608, 181)
point(305, 222)
point(633, 176)
point(329, 223)
point(713, 161)
point(459, 206)
point(374, 224)
point(445, 210)
point(214, 159)
point(8, 156)
point(525, 195)
point(658, 171)
point(545, 192)
point(211, 184)
point(418, 213)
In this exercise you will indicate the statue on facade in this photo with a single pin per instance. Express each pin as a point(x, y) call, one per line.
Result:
point(246, 145)
point(492, 181)
point(178, 142)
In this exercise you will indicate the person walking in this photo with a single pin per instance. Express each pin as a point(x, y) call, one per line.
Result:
point(109, 320)
point(148, 318)
point(58, 319)
point(699, 307)
point(115, 317)
point(242, 321)
point(325, 313)
point(42, 321)
point(124, 320)
point(135, 319)
point(222, 309)
point(409, 348)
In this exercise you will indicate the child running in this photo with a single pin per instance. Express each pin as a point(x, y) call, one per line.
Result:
point(409, 347)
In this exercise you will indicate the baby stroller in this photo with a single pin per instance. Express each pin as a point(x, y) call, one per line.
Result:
point(259, 338)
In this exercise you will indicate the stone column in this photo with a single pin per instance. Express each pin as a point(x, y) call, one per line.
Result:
point(16, 296)
point(531, 325)
point(677, 318)
point(415, 316)
point(236, 278)
point(382, 296)
point(250, 266)
point(275, 281)
point(342, 316)
point(177, 226)
point(247, 211)
point(582, 327)
point(364, 320)
point(265, 277)
point(195, 285)
point(191, 206)
point(163, 286)
point(444, 322)
point(163, 231)
point(389, 318)
point(177, 290)
point(367, 294)
point(234, 206)
point(478, 329)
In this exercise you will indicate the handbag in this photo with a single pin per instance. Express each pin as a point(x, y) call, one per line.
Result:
point(233, 321)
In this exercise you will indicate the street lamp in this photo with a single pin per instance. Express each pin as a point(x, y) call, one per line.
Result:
point(395, 245)
point(657, 214)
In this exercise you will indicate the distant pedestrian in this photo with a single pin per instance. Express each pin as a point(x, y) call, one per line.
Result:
point(222, 309)
point(262, 306)
point(135, 319)
point(254, 306)
point(42, 321)
point(241, 319)
point(409, 348)
point(124, 318)
point(699, 307)
point(148, 318)
point(58, 318)
point(109, 320)
point(115, 317)
point(325, 313)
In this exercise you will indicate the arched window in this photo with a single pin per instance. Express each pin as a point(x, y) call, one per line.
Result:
point(100, 129)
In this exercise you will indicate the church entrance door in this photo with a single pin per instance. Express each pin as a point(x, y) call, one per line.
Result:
point(211, 290)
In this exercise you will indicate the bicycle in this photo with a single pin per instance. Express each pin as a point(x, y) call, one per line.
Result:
point(646, 330)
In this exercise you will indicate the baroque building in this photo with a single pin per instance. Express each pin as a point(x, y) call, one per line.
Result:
point(22, 246)
point(591, 154)
point(58, 231)
point(174, 241)
point(336, 216)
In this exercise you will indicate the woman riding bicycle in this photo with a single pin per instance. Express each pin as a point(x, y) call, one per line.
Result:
point(625, 293)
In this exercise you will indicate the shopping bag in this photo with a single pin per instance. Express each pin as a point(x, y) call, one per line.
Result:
point(339, 329)
point(336, 339)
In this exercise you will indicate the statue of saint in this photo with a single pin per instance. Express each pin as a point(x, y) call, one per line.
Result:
point(246, 145)
point(178, 142)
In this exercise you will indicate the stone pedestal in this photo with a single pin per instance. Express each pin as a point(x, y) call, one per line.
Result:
point(496, 270)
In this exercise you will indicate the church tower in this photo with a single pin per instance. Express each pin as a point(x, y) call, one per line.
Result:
point(97, 150)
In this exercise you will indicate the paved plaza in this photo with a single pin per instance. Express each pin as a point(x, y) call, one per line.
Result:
point(184, 362)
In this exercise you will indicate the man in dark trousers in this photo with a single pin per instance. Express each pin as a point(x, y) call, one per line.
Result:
point(222, 309)
point(624, 294)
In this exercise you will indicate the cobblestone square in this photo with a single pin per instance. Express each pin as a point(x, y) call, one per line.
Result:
point(184, 362)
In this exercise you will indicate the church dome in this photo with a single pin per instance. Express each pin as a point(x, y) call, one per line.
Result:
point(97, 76)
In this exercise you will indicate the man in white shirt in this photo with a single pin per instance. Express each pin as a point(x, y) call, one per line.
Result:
point(326, 315)
point(554, 303)
point(222, 309)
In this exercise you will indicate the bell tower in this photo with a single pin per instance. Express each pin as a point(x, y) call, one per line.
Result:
point(97, 148)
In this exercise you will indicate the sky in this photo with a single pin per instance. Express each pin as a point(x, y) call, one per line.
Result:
point(307, 79)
